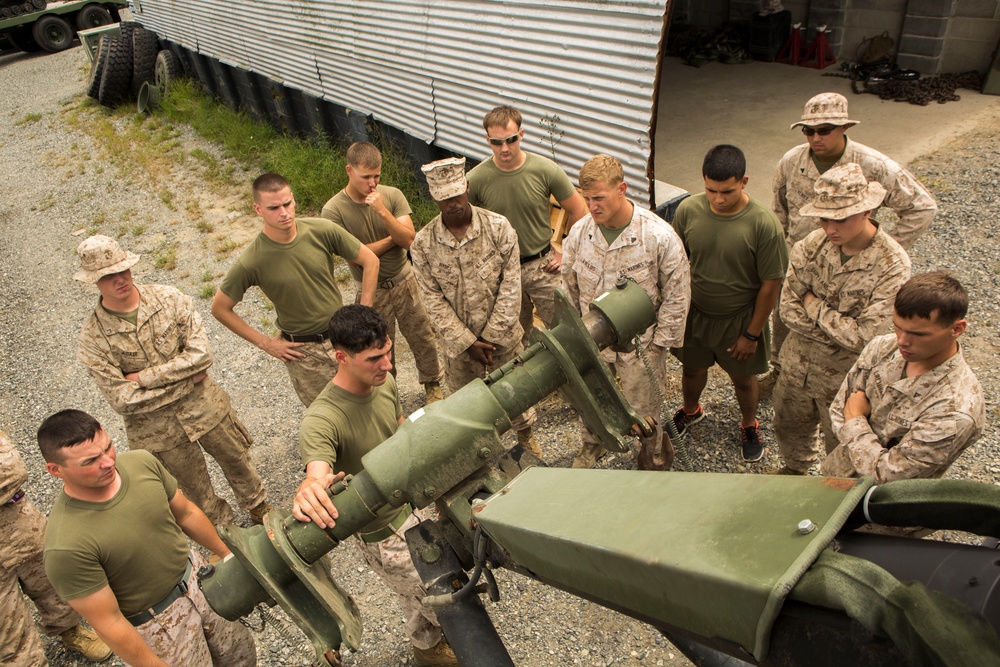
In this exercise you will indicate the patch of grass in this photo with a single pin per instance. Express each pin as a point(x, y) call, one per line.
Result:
point(205, 227)
point(167, 197)
point(166, 259)
point(206, 291)
point(207, 276)
point(27, 119)
point(137, 230)
point(226, 246)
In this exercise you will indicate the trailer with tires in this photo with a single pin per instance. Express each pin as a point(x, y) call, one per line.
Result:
point(127, 59)
point(38, 25)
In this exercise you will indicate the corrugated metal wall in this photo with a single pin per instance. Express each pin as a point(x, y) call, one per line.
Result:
point(432, 68)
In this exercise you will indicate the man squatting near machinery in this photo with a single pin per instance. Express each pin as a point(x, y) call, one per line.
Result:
point(115, 549)
point(147, 350)
point(617, 238)
point(356, 412)
point(467, 266)
point(910, 405)
point(825, 122)
point(520, 186)
point(22, 573)
point(379, 216)
point(291, 260)
point(837, 296)
point(738, 260)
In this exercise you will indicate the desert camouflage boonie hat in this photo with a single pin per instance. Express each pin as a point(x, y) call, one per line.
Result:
point(841, 192)
point(101, 256)
point(825, 109)
point(446, 178)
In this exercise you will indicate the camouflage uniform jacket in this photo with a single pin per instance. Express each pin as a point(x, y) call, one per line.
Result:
point(917, 427)
point(648, 251)
point(21, 524)
point(853, 305)
point(472, 285)
point(166, 348)
point(796, 176)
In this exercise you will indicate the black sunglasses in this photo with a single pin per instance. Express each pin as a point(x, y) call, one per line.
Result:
point(512, 139)
point(822, 131)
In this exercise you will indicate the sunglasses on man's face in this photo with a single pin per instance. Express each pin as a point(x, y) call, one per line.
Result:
point(821, 131)
point(506, 140)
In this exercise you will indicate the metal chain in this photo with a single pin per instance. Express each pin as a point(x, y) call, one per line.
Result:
point(682, 460)
point(292, 638)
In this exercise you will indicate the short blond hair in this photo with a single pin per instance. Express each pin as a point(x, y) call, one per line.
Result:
point(364, 154)
point(500, 116)
point(601, 168)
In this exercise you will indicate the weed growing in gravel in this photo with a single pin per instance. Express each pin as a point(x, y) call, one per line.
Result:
point(206, 291)
point(27, 119)
point(167, 197)
point(205, 227)
point(138, 230)
point(167, 260)
point(207, 276)
point(226, 246)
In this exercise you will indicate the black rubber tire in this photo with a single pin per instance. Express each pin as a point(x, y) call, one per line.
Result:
point(92, 16)
point(145, 45)
point(53, 33)
point(167, 70)
point(97, 68)
point(27, 7)
point(39, 5)
point(21, 38)
point(116, 79)
point(15, 10)
point(5, 13)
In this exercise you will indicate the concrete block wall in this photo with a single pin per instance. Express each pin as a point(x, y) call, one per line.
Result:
point(972, 37)
point(868, 18)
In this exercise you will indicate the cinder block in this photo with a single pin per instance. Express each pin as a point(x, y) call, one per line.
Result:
point(864, 4)
point(921, 46)
point(976, 9)
point(925, 27)
point(962, 56)
point(892, 5)
point(922, 64)
point(977, 30)
point(829, 4)
point(930, 7)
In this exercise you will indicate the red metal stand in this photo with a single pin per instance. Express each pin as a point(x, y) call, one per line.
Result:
point(820, 50)
point(791, 52)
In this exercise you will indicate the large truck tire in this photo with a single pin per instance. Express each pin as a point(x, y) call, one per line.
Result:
point(21, 38)
point(145, 45)
point(39, 5)
point(116, 79)
point(53, 33)
point(5, 13)
point(97, 67)
point(92, 16)
point(167, 70)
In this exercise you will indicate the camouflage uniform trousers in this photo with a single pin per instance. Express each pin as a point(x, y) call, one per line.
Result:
point(390, 560)
point(638, 391)
point(799, 406)
point(464, 369)
point(401, 304)
point(537, 293)
point(23, 573)
point(779, 332)
point(311, 374)
point(229, 444)
point(189, 633)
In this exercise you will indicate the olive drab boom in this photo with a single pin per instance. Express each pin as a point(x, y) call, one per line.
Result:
point(732, 569)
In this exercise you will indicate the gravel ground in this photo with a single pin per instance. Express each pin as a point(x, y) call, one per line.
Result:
point(56, 194)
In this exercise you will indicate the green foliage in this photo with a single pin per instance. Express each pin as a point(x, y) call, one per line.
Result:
point(314, 167)
point(206, 291)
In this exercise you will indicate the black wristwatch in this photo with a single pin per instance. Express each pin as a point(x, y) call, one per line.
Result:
point(750, 336)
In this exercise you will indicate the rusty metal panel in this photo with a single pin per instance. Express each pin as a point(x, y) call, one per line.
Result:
point(432, 68)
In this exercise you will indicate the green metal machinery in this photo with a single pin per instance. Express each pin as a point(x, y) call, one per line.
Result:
point(733, 569)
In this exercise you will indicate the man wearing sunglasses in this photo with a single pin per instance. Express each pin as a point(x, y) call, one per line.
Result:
point(518, 185)
point(824, 123)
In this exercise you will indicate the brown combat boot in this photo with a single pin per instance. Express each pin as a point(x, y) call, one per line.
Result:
point(86, 642)
point(783, 470)
point(766, 382)
point(432, 390)
point(589, 455)
point(439, 655)
point(527, 441)
point(258, 511)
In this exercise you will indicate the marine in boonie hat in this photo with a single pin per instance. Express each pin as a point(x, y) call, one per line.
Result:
point(101, 256)
point(446, 178)
point(825, 109)
point(843, 191)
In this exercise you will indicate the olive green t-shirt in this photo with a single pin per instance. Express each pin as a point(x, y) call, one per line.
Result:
point(366, 226)
point(298, 277)
point(730, 255)
point(340, 428)
point(131, 543)
point(521, 196)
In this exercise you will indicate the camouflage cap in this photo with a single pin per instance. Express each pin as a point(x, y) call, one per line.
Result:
point(101, 256)
point(843, 191)
point(825, 109)
point(446, 178)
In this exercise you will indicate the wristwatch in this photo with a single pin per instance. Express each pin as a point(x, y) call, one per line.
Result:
point(750, 336)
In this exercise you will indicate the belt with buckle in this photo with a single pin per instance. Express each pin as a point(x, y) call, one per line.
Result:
point(18, 495)
point(538, 255)
point(389, 530)
point(305, 338)
point(389, 283)
point(158, 608)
